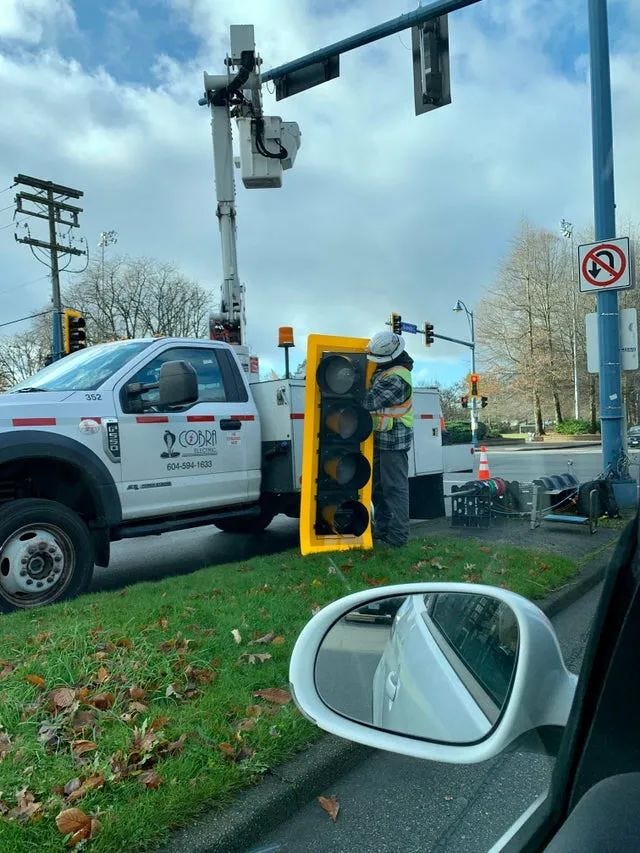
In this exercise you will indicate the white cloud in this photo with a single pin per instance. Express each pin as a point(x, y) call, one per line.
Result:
point(33, 21)
point(383, 211)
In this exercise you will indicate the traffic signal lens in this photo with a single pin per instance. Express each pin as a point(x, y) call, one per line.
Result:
point(348, 469)
point(337, 374)
point(349, 518)
point(349, 422)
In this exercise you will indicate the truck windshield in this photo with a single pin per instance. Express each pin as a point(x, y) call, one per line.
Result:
point(85, 370)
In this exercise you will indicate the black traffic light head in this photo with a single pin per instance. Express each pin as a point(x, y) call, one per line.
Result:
point(396, 324)
point(464, 401)
point(337, 447)
point(74, 334)
point(428, 334)
point(474, 381)
point(483, 402)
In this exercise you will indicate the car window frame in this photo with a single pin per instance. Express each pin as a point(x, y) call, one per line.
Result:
point(125, 400)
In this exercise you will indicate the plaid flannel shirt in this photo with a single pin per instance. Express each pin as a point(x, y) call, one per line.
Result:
point(385, 392)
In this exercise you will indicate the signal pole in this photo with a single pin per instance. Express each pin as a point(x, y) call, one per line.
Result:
point(51, 201)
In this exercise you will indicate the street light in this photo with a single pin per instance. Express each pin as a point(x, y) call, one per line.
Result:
point(566, 228)
point(107, 238)
point(460, 306)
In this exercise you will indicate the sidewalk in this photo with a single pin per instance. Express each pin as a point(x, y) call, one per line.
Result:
point(258, 810)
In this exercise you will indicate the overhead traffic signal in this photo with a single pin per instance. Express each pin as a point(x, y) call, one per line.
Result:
point(483, 402)
point(474, 383)
point(74, 335)
point(337, 447)
point(428, 334)
point(464, 402)
point(396, 324)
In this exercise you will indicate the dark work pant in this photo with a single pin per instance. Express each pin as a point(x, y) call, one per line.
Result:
point(391, 496)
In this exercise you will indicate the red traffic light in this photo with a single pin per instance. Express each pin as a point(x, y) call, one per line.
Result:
point(337, 374)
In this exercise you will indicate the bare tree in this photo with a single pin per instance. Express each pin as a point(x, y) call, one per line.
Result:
point(24, 353)
point(137, 298)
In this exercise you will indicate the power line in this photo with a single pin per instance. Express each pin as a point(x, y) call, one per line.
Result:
point(28, 317)
point(23, 284)
point(8, 207)
point(6, 189)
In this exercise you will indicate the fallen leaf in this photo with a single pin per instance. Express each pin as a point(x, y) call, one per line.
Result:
point(247, 724)
point(331, 806)
point(253, 710)
point(61, 698)
point(76, 823)
point(83, 720)
point(158, 723)
point(227, 749)
point(36, 680)
point(275, 695)
point(5, 745)
point(124, 642)
point(236, 636)
point(163, 623)
point(264, 640)
point(92, 783)
point(137, 693)
point(173, 690)
point(102, 675)
point(175, 746)
point(278, 641)
point(71, 786)
point(7, 669)
point(102, 701)
point(137, 707)
point(252, 658)
point(26, 806)
point(48, 736)
point(80, 747)
point(150, 779)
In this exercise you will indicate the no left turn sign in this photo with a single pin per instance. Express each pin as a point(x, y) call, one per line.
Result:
point(605, 265)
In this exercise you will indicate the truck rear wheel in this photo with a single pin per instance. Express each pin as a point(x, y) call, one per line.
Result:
point(46, 554)
point(248, 524)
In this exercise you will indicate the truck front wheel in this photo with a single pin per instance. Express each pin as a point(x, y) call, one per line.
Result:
point(46, 554)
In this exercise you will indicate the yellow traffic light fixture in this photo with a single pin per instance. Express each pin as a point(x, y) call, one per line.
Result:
point(337, 453)
point(74, 335)
point(396, 324)
point(474, 383)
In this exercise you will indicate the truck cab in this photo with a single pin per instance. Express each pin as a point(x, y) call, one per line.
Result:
point(90, 452)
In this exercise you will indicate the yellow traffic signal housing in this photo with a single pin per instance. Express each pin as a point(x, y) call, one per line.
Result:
point(337, 452)
point(74, 336)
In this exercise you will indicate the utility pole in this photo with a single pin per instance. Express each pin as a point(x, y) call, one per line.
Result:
point(51, 202)
point(611, 410)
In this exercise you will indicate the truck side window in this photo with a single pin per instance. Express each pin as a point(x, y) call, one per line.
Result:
point(211, 385)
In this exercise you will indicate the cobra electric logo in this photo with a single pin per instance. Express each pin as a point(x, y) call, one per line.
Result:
point(194, 442)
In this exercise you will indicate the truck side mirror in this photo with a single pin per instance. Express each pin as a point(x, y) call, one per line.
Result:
point(178, 384)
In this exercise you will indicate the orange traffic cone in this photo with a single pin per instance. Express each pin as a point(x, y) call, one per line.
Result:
point(483, 467)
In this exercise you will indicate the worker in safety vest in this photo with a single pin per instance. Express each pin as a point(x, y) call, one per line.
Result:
point(390, 402)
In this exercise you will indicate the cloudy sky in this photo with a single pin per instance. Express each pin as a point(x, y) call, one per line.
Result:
point(383, 210)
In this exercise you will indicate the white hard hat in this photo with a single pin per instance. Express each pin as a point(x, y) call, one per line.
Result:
point(384, 346)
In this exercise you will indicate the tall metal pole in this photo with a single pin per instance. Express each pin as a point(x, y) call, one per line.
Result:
point(56, 320)
point(474, 400)
point(611, 410)
point(567, 230)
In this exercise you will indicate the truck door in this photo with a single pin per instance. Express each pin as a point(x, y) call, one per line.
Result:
point(194, 457)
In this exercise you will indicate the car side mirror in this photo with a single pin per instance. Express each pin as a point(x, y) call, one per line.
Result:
point(178, 384)
point(443, 671)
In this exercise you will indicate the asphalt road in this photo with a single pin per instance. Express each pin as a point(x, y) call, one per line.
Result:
point(156, 557)
point(393, 803)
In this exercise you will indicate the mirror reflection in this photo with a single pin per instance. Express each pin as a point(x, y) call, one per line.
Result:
point(437, 665)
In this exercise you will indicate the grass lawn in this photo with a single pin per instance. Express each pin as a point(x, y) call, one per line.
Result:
point(138, 709)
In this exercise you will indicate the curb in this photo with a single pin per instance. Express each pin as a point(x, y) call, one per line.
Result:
point(260, 809)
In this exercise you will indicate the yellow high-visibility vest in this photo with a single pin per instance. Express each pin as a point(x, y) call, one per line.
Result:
point(384, 420)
